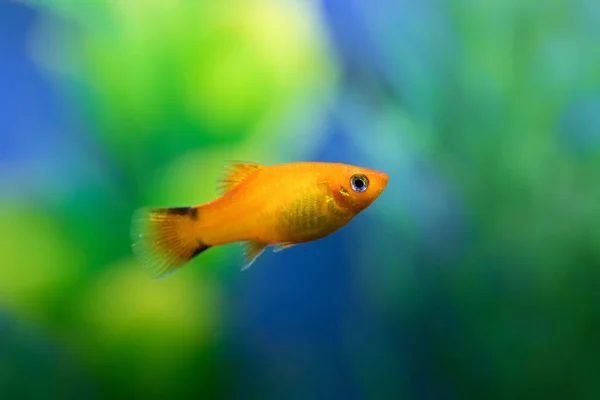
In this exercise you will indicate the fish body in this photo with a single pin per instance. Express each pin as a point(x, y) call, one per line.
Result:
point(280, 205)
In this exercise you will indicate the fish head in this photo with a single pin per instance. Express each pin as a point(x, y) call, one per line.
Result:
point(355, 188)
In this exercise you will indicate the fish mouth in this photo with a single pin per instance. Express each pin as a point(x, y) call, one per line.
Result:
point(384, 181)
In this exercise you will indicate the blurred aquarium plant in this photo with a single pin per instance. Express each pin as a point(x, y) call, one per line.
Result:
point(157, 95)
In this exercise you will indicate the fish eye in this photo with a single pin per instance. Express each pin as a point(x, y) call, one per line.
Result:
point(359, 183)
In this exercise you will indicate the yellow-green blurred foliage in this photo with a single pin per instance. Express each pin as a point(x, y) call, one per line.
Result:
point(165, 92)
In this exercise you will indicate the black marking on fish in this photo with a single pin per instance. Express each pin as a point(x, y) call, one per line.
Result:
point(201, 247)
point(191, 212)
point(179, 210)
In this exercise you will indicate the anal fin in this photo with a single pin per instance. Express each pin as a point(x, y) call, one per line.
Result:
point(252, 249)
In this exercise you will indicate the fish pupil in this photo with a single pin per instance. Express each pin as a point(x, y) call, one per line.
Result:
point(359, 183)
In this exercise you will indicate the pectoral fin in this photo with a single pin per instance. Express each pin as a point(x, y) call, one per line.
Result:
point(252, 250)
point(283, 246)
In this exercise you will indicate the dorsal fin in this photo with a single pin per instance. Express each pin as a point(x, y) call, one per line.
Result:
point(234, 173)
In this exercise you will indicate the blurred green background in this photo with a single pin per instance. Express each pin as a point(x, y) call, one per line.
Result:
point(474, 275)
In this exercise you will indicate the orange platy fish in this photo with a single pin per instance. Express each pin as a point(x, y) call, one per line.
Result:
point(280, 205)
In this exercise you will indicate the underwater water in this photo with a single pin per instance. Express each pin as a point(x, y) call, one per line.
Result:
point(474, 275)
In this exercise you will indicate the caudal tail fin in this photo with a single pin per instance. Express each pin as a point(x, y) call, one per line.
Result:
point(164, 239)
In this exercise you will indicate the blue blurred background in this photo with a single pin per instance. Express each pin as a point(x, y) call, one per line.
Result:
point(474, 275)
